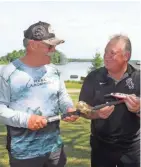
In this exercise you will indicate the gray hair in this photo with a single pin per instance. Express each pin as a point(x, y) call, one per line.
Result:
point(128, 46)
point(25, 42)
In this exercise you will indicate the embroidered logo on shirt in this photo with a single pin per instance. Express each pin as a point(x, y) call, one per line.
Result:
point(129, 83)
point(39, 82)
point(102, 83)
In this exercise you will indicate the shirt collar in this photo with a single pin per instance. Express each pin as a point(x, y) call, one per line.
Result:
point(129, 71)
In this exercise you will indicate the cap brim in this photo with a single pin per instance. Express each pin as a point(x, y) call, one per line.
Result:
point(54, 41)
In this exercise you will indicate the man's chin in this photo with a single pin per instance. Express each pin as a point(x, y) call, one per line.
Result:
point(109, 67)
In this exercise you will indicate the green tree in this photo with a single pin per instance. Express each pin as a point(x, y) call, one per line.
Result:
point(57, 58)
point(12, 56)
point(97, 62)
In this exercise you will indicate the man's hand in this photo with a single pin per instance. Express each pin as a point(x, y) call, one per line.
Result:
point(103, 113)
point(133, 103)
point(36, 122)
point(71, 118)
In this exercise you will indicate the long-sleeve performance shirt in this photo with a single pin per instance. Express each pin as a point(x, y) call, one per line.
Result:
point(25, 91)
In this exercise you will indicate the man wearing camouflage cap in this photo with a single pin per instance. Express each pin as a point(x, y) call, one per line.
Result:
point(31, 91)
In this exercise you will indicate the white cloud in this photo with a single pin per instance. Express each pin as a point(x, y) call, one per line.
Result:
point(86, 26)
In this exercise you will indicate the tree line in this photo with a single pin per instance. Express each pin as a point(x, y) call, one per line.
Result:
point(79, 60)
point(57, 58)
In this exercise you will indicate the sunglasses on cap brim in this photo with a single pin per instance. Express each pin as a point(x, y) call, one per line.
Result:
point(48, 45)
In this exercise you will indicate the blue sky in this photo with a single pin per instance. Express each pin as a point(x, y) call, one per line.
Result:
point(85, 26)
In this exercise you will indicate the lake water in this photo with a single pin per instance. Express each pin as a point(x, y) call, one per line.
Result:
point(73, 68)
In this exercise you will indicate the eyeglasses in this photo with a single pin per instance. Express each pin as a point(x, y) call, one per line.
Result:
point(48, 45)
point(111, 53)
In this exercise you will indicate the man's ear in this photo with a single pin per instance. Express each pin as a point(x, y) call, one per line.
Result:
point(127, 56)
point(33, 44)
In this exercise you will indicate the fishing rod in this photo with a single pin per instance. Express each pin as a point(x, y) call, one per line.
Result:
point(83, 108)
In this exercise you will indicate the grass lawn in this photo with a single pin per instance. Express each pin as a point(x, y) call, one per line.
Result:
point(75, 136)
point(73, 85)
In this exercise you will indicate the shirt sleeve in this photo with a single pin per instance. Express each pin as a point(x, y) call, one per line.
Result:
point(137, 83)
point(9, 116)
point(65, 101)
point(87, 90)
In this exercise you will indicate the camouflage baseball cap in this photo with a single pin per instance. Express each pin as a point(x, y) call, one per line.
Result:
point(42, 31)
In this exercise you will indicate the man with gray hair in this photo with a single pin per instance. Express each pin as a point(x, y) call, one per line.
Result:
point(31, 91)
point(115, 130)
